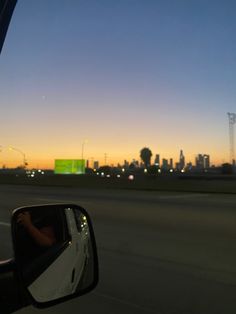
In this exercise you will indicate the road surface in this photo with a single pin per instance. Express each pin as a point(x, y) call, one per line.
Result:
point(159, 252)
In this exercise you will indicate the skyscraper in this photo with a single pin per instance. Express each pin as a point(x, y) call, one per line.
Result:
point(181, 160)
point(199, 162)
point(96, 165)
point(165, 165)
point(206, 161)
point(202, 161)
point(157, 160)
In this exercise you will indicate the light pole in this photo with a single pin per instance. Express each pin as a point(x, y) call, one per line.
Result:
point(22, 154)
point(84, 142)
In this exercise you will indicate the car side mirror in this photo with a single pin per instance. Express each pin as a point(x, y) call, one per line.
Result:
point(55, 252)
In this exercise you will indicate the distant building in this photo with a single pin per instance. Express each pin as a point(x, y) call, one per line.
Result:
point(199, 162)
point(171, 163)
point(202, 161)
point(126, 164)
point(181, 160)
point(87, 163)
point(165, 165)
point(135, 163)
point(189, 166)
point(141, 165)
point(206, 163)
point(96, 165)
point(157, 160)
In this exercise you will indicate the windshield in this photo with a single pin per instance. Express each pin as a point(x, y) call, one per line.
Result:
point(128, 109)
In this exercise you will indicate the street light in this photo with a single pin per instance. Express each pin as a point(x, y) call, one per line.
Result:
point(84, 142)
point(22, 154)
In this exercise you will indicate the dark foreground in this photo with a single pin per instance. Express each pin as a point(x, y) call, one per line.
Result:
point(174, 183)
point(159, 252)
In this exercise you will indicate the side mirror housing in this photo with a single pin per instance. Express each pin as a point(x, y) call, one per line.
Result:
point(55, 252)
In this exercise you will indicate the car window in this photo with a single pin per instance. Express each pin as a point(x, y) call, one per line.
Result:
point(127, 108)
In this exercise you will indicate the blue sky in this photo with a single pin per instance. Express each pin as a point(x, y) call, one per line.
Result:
point(124, 74)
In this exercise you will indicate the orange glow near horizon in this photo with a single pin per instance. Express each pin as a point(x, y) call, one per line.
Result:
point(10, 160)
point(123, 85)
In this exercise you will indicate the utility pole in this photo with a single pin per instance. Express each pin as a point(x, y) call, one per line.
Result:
point(232, 121)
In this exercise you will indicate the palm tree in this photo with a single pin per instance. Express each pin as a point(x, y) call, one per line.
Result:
point(146, 155)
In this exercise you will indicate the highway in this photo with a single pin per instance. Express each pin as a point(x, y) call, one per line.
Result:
point(159, 252)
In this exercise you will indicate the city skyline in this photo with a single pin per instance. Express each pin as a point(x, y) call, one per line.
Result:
point(124, 74)
point(170, 160)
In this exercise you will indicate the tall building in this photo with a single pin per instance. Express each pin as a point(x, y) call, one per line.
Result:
point(165, 165)
point(157, 160)
point(96, 165)
point(181, 160)
point(171, 163)
point(199, 162)
point(206, 163)
point(87, 163)
point(202, 161)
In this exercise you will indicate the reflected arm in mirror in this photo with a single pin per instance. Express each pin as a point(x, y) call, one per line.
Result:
point(44, 236)
point(54, 239)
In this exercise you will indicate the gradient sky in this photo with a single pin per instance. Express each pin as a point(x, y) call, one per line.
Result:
point(123, 74)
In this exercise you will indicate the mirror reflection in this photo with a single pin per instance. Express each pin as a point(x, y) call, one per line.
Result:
point(54, 250)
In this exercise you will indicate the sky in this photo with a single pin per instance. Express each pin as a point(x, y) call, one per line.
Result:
point(117, 75)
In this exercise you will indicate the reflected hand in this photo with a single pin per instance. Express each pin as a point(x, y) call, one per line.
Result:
point(24, 219)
